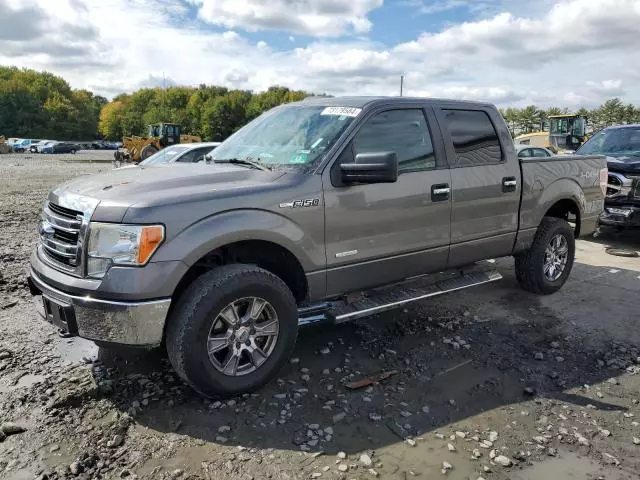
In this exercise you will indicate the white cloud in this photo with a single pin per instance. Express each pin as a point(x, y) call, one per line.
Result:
point(607, 87)
point(429, 7)
point(579, 52)
point(310, 17)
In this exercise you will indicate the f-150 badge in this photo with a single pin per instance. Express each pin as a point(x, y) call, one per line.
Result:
point(308, 202)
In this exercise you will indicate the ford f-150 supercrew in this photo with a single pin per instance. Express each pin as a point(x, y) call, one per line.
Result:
point(327, 209)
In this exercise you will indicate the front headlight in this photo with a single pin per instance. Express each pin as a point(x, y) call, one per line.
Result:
point(114, 244)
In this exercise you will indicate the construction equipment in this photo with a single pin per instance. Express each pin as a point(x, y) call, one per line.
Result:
point(161, 135)
point(566, 133)
point(4, 146)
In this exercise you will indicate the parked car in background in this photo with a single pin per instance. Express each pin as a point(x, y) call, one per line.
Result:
point(527, 151)
point(46, 147)
point(621, 146)
point(65, 147)
point(182, 153)
point(103, 145)
point(22, 145)
point(36, 145)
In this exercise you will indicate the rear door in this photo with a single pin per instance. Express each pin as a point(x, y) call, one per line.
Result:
point(381, 233)
point(485, 177)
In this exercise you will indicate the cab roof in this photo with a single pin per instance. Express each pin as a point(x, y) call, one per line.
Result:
point(366, 102)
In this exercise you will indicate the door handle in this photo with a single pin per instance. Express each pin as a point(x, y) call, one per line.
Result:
point(440, 192)
point(509, 184)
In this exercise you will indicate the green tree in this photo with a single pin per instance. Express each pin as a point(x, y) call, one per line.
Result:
point(530, 119)
point(111, 120)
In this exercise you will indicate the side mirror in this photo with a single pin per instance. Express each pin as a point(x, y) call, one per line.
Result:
point(378, 167)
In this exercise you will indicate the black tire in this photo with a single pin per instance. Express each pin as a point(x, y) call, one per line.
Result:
point(530, 264)
point(147, 151)
point(73, 152)
point(196, 310)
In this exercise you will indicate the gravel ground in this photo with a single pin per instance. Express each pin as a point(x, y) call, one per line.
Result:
point(489, 383)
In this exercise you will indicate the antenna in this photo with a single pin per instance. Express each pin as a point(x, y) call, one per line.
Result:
point(401, 83)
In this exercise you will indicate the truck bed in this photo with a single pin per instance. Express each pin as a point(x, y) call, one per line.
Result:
point(581, 179)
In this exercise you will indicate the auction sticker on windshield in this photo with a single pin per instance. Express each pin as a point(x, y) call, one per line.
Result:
point(341, 111)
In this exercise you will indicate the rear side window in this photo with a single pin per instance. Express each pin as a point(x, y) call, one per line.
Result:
point(402, 131)
point(538, 152)
point(474, 137)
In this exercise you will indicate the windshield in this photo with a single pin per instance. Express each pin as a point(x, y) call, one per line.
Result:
point(559, 125)
point(568, 125)
point(288, 135)
point(165, 156)
point(614, 142)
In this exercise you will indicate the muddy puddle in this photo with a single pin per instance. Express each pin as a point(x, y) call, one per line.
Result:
point(570, 466)
point(25, 381)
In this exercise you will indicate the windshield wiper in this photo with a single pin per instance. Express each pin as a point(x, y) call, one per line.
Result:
point(241, 161)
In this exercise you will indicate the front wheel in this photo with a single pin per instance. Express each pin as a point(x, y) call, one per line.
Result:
point(232, 330)
point(147, 151)
point(545, 267)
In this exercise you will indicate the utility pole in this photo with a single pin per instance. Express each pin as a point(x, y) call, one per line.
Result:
point(164, 98)
point(401, 83)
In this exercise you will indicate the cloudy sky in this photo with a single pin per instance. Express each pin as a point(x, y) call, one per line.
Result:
point(511, 52)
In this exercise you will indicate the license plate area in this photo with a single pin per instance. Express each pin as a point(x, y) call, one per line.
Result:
point(58, 314)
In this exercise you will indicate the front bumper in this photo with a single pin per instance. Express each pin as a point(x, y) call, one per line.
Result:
point(621, 216)
point(138, 323)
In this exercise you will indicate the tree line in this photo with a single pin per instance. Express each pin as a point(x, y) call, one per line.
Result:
point(531, 119)
point(211, 112)
point(42, 105)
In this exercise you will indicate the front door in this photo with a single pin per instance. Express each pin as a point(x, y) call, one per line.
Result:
point(485, 176)
point(381, 233)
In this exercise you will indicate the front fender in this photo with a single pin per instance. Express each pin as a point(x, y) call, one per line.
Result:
point(224, 228)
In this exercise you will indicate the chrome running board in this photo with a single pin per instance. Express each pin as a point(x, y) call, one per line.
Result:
point(374, 301)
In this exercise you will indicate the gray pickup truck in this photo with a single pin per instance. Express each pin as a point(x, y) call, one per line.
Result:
point(327, 209)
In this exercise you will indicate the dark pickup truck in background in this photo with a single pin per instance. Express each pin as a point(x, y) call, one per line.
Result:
point(621, 146)
point(327, 209)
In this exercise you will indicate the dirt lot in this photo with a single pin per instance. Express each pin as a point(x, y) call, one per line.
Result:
point(490, 383)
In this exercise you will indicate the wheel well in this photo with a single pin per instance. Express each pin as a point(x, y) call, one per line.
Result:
point(270, 256)
point(567, 210)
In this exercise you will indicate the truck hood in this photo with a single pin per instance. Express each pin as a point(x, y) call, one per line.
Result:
point(117, 190)
point(624, 164)
point(164, 181)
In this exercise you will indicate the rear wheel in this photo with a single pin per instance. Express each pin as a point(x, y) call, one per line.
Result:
point(545, 267)
point(232, 330)
point(147, 151)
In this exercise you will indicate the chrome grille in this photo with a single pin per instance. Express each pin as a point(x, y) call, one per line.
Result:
point(614, 185)
point(60, 234)
point(635, 188)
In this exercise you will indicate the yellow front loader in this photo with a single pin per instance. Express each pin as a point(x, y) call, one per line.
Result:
point(566, 133)
point(161, 135)
point(4, 146)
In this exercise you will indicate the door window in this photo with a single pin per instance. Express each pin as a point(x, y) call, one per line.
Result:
point(474, 137)
point(402, 131)
point(526, 153)
point(194, 155)
point(538, 152)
